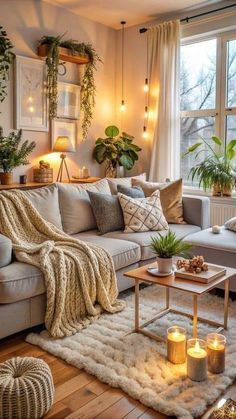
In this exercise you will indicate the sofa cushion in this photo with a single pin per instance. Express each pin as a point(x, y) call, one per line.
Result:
point(107, 212)
point(143, 239)
point(5, 251)
point(75, 205)
point(46, 202)
point(133, 192)
point(231, 224)
point(225, 241)
point(125, 181)
point(124, 253)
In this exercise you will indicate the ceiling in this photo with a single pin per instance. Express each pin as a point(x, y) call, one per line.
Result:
point(111, 12)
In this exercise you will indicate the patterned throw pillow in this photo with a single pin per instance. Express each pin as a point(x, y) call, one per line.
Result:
point(135, 192)
point(231, 224)
point(143, 214)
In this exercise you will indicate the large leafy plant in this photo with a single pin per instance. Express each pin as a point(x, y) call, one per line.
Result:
point(116, 149)
point(217, 167)
point(6, 59)
point(88, 88)
point(12, 153)
point(168, 245)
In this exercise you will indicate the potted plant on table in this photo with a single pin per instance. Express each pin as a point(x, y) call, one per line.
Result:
point(116, 151)
point(166, 247)
point(13, 154)
point(216, 171)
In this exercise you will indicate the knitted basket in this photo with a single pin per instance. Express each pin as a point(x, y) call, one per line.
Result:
point(26, 388)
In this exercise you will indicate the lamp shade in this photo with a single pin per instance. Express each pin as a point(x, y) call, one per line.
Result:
point(63, 144)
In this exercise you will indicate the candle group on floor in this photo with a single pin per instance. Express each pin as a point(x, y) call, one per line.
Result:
point(201, 355)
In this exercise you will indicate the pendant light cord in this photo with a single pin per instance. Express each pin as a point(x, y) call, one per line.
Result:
point(122, 58)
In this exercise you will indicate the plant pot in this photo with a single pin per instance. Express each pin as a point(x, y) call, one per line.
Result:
point(6, 178)
point(120, 171)
point(227, 191)
point(216, 191)
point(110, 170)
point(165, 265)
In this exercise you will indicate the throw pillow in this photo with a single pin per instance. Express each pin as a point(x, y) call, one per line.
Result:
point(46, 202)
point(125, 181)
point(170, 196)
point(75, 206)
point(143, 214)
point(231, 224)
point(135, 192)
point(107, 212)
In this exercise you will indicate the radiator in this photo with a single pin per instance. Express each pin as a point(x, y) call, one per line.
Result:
point(222, 209)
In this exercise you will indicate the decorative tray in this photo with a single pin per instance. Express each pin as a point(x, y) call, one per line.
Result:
point(205, 277)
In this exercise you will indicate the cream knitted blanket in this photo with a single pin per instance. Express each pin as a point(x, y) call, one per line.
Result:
point(79, 278)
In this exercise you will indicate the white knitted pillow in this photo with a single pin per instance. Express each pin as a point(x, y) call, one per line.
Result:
point(231, 224)
point(143, 214)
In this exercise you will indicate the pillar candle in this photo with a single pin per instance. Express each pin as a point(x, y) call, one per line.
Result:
point(85, 172)
point(176, 345)
point(196, 359)
point(216, 352)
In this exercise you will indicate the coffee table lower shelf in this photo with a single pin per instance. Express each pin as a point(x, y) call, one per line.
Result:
point(140, 328)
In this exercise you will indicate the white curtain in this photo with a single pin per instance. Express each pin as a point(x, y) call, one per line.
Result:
point(163, 124)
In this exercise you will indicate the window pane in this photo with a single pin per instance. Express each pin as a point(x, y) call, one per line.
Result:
point(231, 130)
point(231, 74)
point(198, 75)
point(191, 130)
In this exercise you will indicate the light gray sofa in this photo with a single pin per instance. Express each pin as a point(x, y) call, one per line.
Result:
point(22, 290)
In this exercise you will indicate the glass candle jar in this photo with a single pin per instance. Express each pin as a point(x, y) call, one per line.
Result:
point(216, 352)
point(176, 344)
point(197, 359)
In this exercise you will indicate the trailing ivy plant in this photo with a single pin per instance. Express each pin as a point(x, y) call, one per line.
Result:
point(88, 88)
point(6, 59)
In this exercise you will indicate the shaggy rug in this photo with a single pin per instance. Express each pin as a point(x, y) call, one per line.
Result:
point(138, 364)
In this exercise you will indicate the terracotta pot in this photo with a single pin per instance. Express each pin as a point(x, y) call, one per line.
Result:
point(6, 178)
point(165, 265)
point(227, 191)
point(110, 170)
point(216, 189)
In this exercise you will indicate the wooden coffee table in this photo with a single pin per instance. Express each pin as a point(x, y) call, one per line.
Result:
point(197, 289)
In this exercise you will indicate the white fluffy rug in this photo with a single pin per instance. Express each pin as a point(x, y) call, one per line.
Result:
point(138, 364)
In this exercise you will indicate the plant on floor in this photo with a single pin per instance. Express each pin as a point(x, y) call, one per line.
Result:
point(6, 59)
point(12, 153)
point(216, 169)
point(116, 150)
point(88, 88)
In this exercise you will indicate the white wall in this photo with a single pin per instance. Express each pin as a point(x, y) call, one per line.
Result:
point(25, 22)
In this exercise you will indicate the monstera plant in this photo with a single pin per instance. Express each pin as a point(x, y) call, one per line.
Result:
point(116, 150)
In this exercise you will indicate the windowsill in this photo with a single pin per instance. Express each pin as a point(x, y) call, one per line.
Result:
point(190, 190)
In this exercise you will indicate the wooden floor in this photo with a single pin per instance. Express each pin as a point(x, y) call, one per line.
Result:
point(81, 395)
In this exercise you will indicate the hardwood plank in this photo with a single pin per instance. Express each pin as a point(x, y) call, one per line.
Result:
point(98, 405)
point(97, 387)
point(137, 412)
point(72, 385)
point(151, 414)
point(79, 398)
point(119, 409)
point(58, 411)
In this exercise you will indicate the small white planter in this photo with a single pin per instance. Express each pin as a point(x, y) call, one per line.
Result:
point(165, 265)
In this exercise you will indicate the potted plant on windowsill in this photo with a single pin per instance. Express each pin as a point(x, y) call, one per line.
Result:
point(216, 171)
point(13, 154)
point(116, 151)
point(166, 247)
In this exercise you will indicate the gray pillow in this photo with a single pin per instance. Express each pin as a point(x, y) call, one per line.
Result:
point(107, 212)
point(133, 192)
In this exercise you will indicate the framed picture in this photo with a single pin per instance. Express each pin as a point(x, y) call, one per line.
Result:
point(30, 94)
point(63, 127)
point(68, 101)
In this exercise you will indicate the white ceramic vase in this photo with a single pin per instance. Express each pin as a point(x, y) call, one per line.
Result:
point(165, 265)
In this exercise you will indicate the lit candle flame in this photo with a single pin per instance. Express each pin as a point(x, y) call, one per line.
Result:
point(197, 347)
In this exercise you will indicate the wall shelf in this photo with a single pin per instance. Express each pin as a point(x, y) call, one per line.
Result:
point(65, 54)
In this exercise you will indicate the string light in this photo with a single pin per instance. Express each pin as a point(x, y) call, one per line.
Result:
point(122, 106)
point(146, 86)
point(145, 134)
point(146, 112)
point(146, 89)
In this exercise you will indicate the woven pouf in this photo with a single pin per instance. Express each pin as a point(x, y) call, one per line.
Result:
point(26, 388)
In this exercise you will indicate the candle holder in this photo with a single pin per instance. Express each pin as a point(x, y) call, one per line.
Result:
point(216, 352)
point(176, 344)
point(197, 359)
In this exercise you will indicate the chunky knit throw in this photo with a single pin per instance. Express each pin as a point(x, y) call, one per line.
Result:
point(26, 388)
point(79, 278)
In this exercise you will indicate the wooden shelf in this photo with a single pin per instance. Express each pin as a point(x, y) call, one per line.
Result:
point(85, 180)
point(65, 54)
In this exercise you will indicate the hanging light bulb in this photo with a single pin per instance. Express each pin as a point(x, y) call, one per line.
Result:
point(122, 106)
point(145, 134)
point(146, 86)
point(146, 112)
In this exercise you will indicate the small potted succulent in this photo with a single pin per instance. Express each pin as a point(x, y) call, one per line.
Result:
point(166, 247)
point(13, 154)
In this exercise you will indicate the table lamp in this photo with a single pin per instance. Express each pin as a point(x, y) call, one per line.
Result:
point(63, 145)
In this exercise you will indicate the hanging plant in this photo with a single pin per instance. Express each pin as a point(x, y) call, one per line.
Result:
point(6, 59)
point(88, 88)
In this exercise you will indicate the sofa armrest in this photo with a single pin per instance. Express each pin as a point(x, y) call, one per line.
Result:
point(5, 251)
point(197, 210)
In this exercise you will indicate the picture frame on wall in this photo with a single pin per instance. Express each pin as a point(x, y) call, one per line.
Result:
point(30, 95)
point(68, 100)
point(63, 127)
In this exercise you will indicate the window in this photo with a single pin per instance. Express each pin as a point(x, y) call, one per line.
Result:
point(207, 94)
